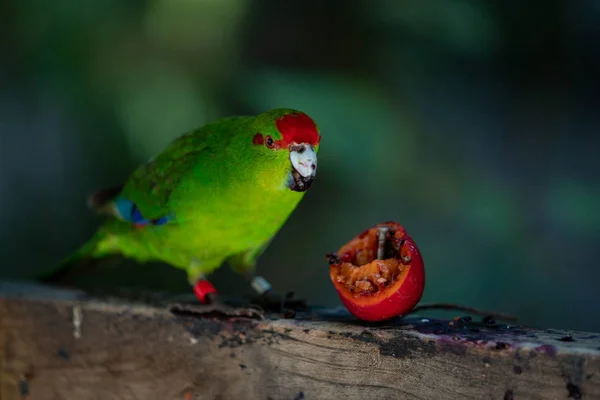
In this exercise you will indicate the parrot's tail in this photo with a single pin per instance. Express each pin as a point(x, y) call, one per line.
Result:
point(89, 255)
point(81, 259)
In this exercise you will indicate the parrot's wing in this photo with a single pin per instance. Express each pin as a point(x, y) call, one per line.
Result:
point(144, 198)
point(151, 185)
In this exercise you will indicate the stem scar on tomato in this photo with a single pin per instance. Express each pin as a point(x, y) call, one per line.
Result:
point(379, 274)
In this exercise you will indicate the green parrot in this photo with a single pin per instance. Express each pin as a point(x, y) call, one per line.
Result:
point(216, 194)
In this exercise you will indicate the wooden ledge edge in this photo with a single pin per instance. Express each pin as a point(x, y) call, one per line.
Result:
point(59, 342)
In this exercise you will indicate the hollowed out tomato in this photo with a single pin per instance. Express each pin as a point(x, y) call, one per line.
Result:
point(377, 287)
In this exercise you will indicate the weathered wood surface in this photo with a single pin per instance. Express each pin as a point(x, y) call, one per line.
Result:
point(63, 345)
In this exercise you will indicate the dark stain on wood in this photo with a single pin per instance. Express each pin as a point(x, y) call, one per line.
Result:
point(517, 370)
point(367, 337)
point(567, 338)
point(63, 353)
point(502, 346)
point(398, 347)
point(406, 347)
point(202, 327)
point(574, 391)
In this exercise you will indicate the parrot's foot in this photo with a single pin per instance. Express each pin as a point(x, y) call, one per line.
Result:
point(270, 301)
point(273, 302)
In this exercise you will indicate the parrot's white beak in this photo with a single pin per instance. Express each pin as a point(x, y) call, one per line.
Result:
point(304, 167)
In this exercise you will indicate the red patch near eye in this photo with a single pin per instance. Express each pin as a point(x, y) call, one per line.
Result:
point(297, 128)
point(258, 139)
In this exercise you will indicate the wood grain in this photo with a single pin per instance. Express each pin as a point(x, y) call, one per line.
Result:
point(118, 350)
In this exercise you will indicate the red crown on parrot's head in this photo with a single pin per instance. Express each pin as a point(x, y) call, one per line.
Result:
point(294, 128)
point(297, 128)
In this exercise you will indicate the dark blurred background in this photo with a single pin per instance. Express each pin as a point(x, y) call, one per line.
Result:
point(472, 123)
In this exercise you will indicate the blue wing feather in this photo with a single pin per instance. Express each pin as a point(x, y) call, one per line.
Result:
point(126, 210)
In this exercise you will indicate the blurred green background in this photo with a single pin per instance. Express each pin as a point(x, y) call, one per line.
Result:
point(472, 123)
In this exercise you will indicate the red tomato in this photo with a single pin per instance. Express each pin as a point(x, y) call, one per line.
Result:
point(375, 289)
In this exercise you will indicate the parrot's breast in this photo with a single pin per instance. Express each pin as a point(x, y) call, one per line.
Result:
point(232, 224)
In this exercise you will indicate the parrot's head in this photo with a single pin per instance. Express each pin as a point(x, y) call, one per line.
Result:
point(289, 139)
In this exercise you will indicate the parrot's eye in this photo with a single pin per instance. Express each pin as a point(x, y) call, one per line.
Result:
point(270, 142)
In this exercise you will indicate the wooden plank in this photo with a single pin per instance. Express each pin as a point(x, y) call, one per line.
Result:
point(57, 344)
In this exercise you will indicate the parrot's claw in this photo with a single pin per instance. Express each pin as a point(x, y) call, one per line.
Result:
point(216, 308)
